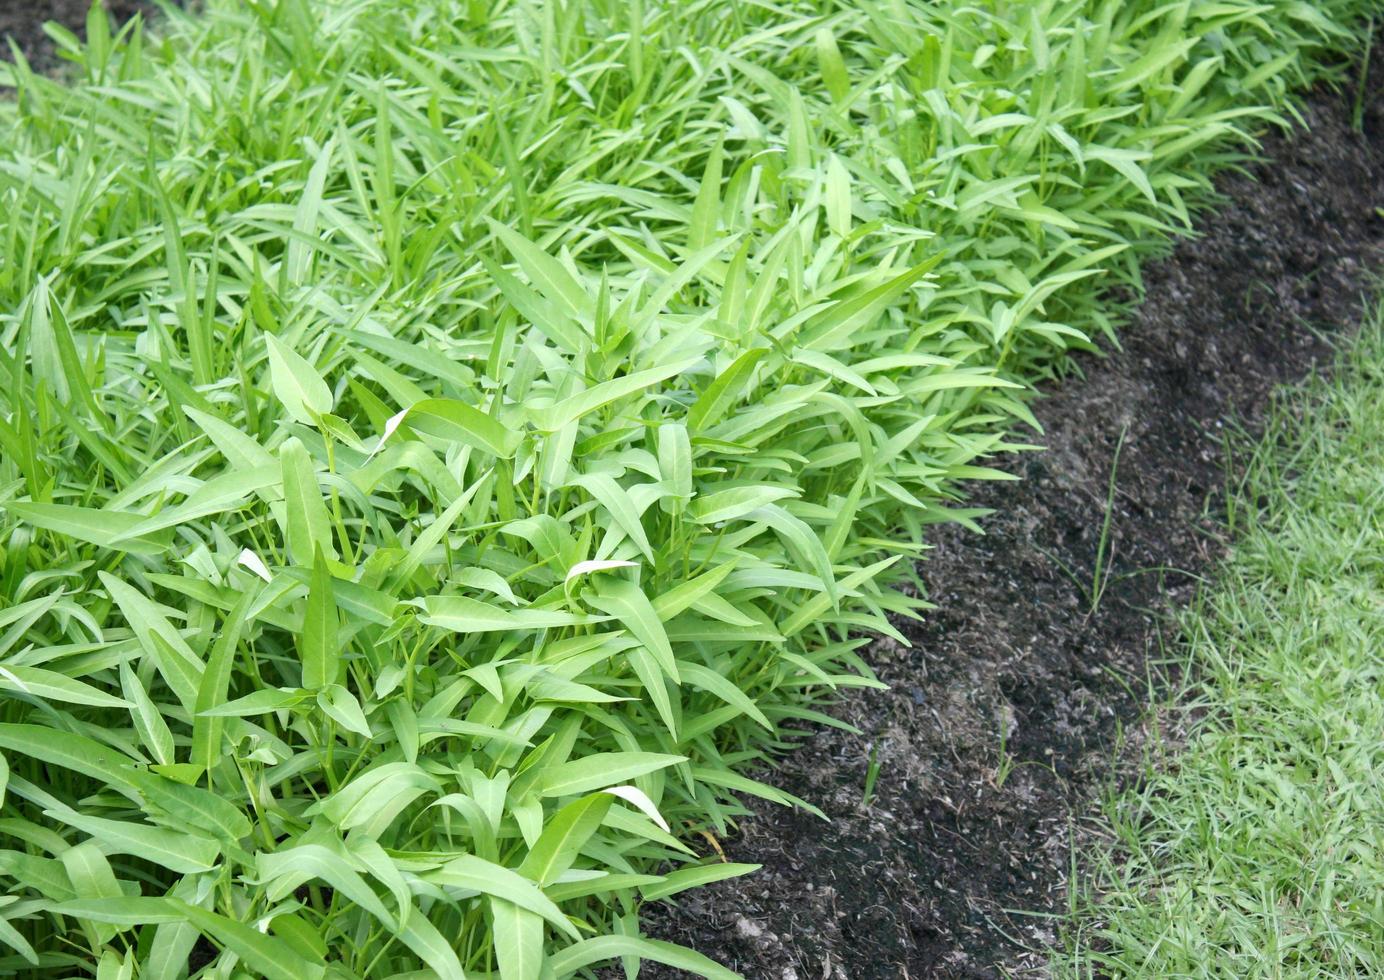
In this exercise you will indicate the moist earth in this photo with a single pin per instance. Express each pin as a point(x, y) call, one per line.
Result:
point(997, 733)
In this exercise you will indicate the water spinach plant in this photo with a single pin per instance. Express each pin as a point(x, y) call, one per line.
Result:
point(444, 445)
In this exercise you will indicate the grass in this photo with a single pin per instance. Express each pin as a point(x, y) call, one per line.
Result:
point(1257, 848)
point(444, 446)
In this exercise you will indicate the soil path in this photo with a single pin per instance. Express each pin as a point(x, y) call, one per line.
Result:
point(921, 883)
point(21, 21)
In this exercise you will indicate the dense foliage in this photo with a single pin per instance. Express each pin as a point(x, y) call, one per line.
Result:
point(445, 444)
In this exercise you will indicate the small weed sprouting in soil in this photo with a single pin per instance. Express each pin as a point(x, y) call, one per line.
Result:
point(1093, 589)
point(871, 776)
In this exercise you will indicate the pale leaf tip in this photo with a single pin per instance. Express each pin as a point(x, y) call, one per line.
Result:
point(636, 796)
point(597, 565)
point(254, 563)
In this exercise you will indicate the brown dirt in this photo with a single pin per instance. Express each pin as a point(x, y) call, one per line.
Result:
point(21, 23)
point(941, 876)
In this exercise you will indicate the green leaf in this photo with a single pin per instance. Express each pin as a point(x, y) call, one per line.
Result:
point(342, 707)
point(305, 219)
point(713, 403)
point(456, 421)
point(598, 885)
point(241, 451)
point(838, 197)
point(601, 948)
point(421, 936)
point(149, 723)
point(830, 329)
point(259, 702)
point(564, 835)
point(218, 495)
point(199, 808)
point(270, 957)
point(211, 692)
point(127, 911)
point(394, 784)
point(180, 666)
point(103, 528)
point(297, 385)
point(556, 416)
point(306, 521)
point(518, 938)
point(701, 230)
point(626, 602)
point(832, 66)
point(695, 877)
point(725, 689)
point(596, 772)
point(289, 868)
point(52, 686)
point(15, 940)
point(318, 645)
point(619, 505)
point(547, 317)
point(686, 594)
point(737, 502)
point(546, 273)
point(462, 615)
point(69, 751)
point(175, 850)
point(475, 874)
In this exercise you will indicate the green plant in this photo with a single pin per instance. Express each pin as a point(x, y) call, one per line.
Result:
point(443, 445)
point(871, 777)
point(1100, 574)
point(1100, 580)
point(1006, 765)
point(1358, 111)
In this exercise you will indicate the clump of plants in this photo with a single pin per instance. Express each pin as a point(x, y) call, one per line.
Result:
point(444, 446)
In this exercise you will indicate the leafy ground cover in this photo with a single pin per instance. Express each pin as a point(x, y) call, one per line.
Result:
point(444, 446)
point(1251, 848)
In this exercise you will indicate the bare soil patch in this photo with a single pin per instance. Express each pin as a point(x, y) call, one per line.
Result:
point(941, 874)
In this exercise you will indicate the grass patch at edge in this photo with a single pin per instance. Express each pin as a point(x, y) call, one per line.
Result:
point(1258, 849)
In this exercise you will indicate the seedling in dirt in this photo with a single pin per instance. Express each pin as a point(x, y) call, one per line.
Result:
point(1093, 590)
point(871, 775)
point(1006, 762)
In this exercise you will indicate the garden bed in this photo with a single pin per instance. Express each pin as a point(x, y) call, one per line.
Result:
point(1002, 715)
point(1001, 719)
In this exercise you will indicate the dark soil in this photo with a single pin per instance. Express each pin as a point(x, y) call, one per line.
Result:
point(941, 874)
point(21, 22)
